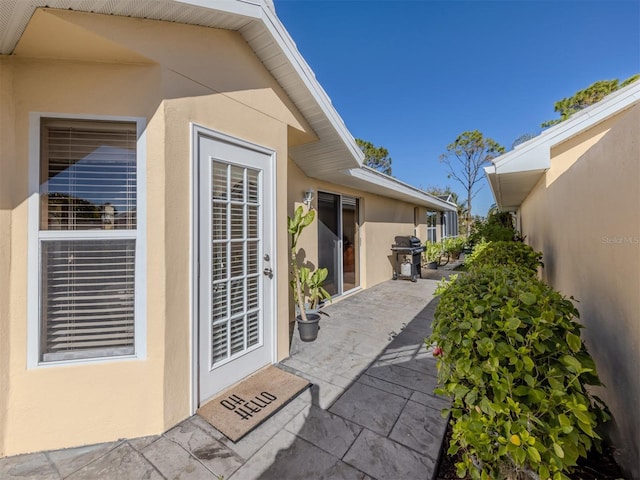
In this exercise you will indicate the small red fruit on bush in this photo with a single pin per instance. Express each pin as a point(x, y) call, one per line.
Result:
point(437, 352)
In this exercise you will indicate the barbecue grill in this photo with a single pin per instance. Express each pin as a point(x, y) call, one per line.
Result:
point(410, 249)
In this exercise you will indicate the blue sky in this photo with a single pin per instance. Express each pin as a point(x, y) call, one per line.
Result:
point(412, 75)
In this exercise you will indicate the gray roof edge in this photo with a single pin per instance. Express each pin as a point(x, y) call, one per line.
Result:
point(379, 179)
point(284, 40)
point(261, 11)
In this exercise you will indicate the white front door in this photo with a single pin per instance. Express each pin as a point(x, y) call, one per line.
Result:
point(236, 289)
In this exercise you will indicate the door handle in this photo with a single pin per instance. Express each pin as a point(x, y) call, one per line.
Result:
point(268, 272)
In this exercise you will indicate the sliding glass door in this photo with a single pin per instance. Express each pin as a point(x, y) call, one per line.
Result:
point(350, 244)
point(339, 241)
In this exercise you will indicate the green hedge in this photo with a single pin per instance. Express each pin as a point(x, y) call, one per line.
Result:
point(454, 246)
point(511, 358)
point(491, 232)
point(507, 254)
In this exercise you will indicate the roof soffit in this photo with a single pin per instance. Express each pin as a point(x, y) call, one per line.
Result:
point(49, 35)
point(513, 175)
point(82, 36)
point(265, 34)
point(371, 181)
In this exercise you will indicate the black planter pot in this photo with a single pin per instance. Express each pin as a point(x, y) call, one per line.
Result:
point(432, 265)
point(308, 329)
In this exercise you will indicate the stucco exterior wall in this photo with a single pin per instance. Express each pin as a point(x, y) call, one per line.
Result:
point(583, 216)
point(6, 204)
point(206, 76)
point(53, 407)
point(381, 220)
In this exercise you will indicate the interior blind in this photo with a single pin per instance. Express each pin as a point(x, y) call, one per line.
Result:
point(350, 201)
point(87, 285)
point(235, 255)
point(88, 175)
point(88, 298)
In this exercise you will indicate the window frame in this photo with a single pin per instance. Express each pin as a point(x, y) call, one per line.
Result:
point(432, 230)
point(36, 236)
point(449, 224)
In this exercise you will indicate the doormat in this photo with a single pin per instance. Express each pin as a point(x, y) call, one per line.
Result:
point(247, 404)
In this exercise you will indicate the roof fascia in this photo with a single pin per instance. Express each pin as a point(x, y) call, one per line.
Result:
point(280, 34)
point(536, 153)
point(245, 8)
point(385, 182)
point(254, 11)
point(494, 185)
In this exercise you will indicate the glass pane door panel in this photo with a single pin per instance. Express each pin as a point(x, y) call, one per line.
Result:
point(350, 244)
point(329, 239)
point(234, 250)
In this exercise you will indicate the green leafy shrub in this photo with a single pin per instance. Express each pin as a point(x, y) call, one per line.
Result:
point(511, 358)
point(471, 258)
point(508, 254)
point(454, 246)
point(491, 232)
point(498, 227)
point(444, 283)
point(432, 252)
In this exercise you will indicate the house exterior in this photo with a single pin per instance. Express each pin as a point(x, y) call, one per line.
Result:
point(150, 152)
point(449, 220)
point(576, 194)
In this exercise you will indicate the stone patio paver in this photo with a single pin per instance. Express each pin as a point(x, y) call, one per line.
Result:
point(121, 462)
point(418, 428)
point(69, 460)
point(288, 457)
point(385, 386)
point(141, 443)
point(384, 459)
point(331, 433)
point(34, 466)
point(212, 453)
point(374, 409)
point(173, 461)
point(370, 413)
point(404, 377)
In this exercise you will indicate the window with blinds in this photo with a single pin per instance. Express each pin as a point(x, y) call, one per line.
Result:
point(88, 175)
point(449, 224)
point(432, 221)
point(87, 239)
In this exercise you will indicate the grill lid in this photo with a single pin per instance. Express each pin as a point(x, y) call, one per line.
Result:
point(408, 241)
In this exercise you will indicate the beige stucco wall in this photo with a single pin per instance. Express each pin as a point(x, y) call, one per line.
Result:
point(61, 406)
point(381, 219)
point(583, 216)
point(6, 205)
point(193, 74)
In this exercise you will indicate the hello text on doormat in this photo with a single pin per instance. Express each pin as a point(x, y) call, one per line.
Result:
point(247, 404)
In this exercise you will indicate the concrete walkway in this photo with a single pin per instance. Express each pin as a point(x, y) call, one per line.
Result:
point(370, 413)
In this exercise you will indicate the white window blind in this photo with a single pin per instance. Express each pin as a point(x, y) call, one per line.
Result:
point(235, 271)
point(88, 298)
point(87, 284)
point(88, 175)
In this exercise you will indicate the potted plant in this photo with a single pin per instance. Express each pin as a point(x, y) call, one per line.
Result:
point(432, 255)
point(454, 246)
point(306, 285)
point(312, 286)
